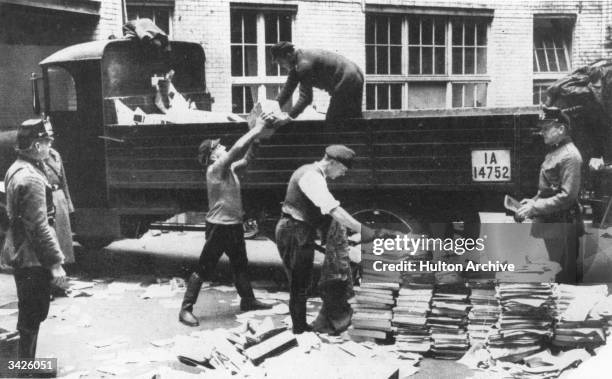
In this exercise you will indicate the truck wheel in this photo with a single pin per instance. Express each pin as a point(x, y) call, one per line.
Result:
point(384, 218)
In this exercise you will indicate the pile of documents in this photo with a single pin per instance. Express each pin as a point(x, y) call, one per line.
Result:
point(447, 321)
point(530, 272)
point(526, 321)
point(575, 327)
point(258, 341)
point(484, 312)
point(372, 311)
point(410, 317)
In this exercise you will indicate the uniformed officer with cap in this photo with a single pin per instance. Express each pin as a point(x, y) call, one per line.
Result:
point(32, 248)
point(554, 209)
point(307, 200)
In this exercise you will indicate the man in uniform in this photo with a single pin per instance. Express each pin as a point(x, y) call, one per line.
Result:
point(307, 200)
point(224, 230)
point(555, 209)
point(332, 72)
point(32, 248)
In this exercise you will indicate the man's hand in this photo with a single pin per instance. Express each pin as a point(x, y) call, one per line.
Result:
point(263, 121)
point(281, 119)
point(58, 276)
point(526, 210)
point(596, 164)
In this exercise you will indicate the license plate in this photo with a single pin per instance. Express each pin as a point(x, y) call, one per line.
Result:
point(491, 166)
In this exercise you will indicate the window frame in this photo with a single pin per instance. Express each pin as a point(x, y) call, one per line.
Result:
point(546, 78)
point(261, 79)
point(447, 78)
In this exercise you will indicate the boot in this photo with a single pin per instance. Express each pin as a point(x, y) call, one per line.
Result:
point(248, 302)
point(27, 343)
point(194, 284)
point(252, 304)
point(298, 316)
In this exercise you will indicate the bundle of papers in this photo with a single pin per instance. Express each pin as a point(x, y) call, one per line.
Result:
point(484, 312)
point(576, 326)
point(372, 313)
point(410, 317)
point(526, 320)
point(447, 321)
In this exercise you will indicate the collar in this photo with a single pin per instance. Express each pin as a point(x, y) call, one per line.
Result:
point(563, 142)
point(320, 167)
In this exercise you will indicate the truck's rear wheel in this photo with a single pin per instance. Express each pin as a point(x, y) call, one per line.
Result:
point(384, 218)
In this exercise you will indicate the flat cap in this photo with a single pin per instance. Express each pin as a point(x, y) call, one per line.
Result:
point(31, 130)
point(205, 148)
point(341, 153)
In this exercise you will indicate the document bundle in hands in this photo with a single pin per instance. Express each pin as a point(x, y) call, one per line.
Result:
point(511, 203)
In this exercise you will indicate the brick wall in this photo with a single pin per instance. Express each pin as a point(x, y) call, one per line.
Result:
point(339, 26)
point(111, 20)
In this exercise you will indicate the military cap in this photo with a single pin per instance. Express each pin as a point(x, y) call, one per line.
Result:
point(282, 48)
point(554, 115)
point(205, 149)
point(31, 130)
point(340, 153)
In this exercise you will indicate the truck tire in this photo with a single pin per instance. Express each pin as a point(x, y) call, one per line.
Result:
point(395, 220)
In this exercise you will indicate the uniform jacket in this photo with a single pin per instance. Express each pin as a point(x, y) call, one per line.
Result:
point(30, 241)
point(57, 177)
point(558, 190)
point(321, 69)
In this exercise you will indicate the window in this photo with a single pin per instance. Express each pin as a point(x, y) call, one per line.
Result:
point(161, 16)
point(254, 75)
point(551, 52)
point(419, 62)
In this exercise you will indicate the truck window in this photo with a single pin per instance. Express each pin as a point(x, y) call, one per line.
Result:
point(62, 91)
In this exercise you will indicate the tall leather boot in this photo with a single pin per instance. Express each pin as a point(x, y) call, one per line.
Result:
point(248, 302)
point(194, 284)
point(27, 343)
point(298, 316)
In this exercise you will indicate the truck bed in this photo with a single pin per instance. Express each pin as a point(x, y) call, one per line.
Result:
point(428, 150)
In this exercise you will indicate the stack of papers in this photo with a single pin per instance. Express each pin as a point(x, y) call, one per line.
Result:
point(575, 326)
point(447, 321)
point(484, 312)
point(526, 320)
point(410, 317)
point(372, 307)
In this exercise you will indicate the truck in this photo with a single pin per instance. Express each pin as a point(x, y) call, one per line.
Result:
point(431, 170)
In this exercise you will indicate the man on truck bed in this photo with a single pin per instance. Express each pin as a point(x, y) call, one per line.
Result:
point(340, 77)
point(555, 209)
point(306, 201)
point(224, 231)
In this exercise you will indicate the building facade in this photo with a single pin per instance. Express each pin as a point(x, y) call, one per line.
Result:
point(416, 54)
